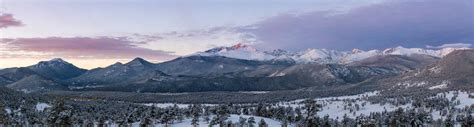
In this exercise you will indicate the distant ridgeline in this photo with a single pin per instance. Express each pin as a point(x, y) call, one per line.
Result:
point(242, 86)
point(236, 68)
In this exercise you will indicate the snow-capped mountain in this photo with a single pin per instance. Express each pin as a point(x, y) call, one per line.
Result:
point(324, 56)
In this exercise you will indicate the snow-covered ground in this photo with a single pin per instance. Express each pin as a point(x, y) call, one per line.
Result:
point(337, 107)
point(357, 96)
point(462, 97)
point(334, 107)
point(42, 106)
point(254, 92)
point(233, 118)
point(166, 105)
point(39, 107)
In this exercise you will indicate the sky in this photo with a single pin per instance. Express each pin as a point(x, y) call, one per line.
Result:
point(97, 33)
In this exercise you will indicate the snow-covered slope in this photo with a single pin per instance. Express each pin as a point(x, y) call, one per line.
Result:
point(324, 56)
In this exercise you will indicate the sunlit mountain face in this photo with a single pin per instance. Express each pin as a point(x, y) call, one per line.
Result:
point(247, 63)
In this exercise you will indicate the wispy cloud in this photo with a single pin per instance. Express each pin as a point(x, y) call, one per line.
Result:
point(7, 20)
point(393, 23)
point(79, 48)
point(190, 41)
point(452, 45)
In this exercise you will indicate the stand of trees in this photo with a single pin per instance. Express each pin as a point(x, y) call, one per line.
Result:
point(88, 113)
point(17, 109)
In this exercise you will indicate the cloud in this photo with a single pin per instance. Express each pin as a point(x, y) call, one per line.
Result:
point(387, 24)
point(144, 38)
point(190, 41)
point(79, 48)
point(7, 20)
point(453, 45)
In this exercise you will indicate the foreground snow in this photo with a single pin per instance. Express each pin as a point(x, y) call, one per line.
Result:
point(337, 107)
point(41, 106)
point(462, 97)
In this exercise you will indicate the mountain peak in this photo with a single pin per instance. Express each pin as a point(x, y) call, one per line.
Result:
point(138, 62)
point(238, 46)
point(355, 51)
point(56, 68)
point(138, 59)
point(57, 60)
point(52, 62)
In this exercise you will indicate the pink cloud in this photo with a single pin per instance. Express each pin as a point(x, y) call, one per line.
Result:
point(83, 48)
point(7, 20)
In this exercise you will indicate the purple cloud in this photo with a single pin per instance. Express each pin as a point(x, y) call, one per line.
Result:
point(388, 24)
point(83, 47)
point(7, 20)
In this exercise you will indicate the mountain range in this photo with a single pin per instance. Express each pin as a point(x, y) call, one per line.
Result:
point(244, 68)
point(321, 56)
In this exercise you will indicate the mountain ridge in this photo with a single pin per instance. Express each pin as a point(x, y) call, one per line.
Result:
point(214, 71)
point(321, 56)
point(57, 68)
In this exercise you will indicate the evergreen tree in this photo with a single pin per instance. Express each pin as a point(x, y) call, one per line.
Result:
point(261, 110)
point(299, 115)
point(3, 114)
point(326, 121)
point(468, 121)
point(167, 117)
point(448, 122)
point(284, 123)
point(60, 114)
point(397, 117)
point(101, 121)
point(207, 114)
point(345, 121)
point(311, 109)
point(119, 122)
point(229, 123)
point(222, 114)
point(251, 121)
point(195, 121)
point(214, 121)
point(207, 118)
point(245, 111)
point(262, 123)
point(242, 121)
point(195, 112)
point(147, 121)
